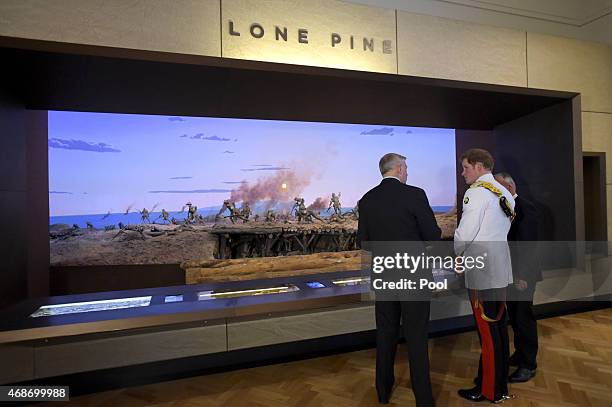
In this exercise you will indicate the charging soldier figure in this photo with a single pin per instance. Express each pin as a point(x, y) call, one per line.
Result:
point(301, 213)
point(335, 203)
point(234, 212)
point(191, 213)
point(144, 215)
point(270, 216)
point(488, 210)
point(245, 212)
point(164, 215)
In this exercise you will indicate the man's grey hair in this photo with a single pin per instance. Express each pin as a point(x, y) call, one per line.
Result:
point(389, 161)
point(506, 177)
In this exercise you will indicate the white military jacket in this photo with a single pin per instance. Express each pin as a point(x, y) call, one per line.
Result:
point(483, 231)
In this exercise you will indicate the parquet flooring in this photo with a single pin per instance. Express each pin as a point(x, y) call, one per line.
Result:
point(574, 369)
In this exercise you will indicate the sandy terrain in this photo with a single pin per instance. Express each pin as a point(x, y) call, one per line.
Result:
point(165, 244)
point(98, 247)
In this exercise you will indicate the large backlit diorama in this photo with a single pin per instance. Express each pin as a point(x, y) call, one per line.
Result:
point(228, 199)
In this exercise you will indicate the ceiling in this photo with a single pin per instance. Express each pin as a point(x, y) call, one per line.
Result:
point(589, 20)
point(573, 12)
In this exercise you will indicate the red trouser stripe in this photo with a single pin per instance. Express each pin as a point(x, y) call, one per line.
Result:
point(488, 355)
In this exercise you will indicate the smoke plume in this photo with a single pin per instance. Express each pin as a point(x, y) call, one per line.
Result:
point(319, 204)
point(282, 186)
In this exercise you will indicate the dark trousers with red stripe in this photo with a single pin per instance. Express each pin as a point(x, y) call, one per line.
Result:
point(489, 310)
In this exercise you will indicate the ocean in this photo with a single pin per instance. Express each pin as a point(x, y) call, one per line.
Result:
point(100, 221)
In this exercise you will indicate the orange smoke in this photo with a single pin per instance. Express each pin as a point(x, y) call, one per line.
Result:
point(270, 188)
point(319, 204)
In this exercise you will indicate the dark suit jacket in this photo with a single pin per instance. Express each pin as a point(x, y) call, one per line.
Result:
point(524, 228)
point(393, 211)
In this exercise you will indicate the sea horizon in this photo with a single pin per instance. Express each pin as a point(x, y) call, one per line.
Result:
point(102, 220)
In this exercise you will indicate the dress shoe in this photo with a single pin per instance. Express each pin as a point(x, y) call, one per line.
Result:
point(521, 375)
point(472, 394)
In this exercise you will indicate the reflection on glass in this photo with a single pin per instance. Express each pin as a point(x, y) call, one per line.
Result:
point(351, 281)
point(210, 295)
point(173, 298)
point(89, 306)
point(443, 272)
point(315, 284)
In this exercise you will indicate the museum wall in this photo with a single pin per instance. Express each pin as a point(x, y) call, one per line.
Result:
point(179, 26)
point(422, 45)
point(13, 202)
point(24, 245)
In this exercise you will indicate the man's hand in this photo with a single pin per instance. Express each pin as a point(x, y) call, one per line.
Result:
point(521, 285)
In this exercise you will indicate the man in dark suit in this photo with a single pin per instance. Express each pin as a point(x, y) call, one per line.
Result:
point(526, 271)
point(394, 211)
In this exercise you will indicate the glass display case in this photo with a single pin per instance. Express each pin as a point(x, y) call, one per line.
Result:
point(91, 306)
point(217, 294)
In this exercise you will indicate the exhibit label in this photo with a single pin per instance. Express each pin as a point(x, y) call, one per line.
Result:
point(317, 33)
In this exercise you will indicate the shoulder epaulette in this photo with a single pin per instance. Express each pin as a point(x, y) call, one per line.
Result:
point(503, 202)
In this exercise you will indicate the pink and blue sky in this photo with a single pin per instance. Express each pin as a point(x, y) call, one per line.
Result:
point(101, 162)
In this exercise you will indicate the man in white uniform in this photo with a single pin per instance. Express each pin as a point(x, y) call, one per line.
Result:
point(488, 209)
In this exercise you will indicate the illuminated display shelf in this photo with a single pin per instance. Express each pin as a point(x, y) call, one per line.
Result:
point(211, 295)
point(351, 281)
point(91, 306)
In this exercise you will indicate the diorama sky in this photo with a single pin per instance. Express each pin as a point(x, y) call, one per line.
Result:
point(100, 162)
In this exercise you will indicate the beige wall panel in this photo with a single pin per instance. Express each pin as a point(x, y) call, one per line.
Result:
point(449, 49)
point(321, 18)
point(56, 359)
point(251, 333)
point(565, 64)
point(179, 26)
point(597, 137)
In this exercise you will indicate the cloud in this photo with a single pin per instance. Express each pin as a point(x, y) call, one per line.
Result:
point(192, 191)
point(176, 119)
point(180, 177)
point(381, 131)
point(228, 152)
point(408, 131)
point(82, 146)
point(261, 165)
point(60, 192)
point(265, 169)
point(201, 136)
point(184, 135)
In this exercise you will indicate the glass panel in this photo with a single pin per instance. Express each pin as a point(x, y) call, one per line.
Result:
point(210, 295)
point(351, 281)
point(89, 306)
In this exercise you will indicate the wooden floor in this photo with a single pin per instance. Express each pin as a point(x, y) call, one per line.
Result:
point(574, 369)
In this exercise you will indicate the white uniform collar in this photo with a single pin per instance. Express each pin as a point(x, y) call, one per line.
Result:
point(486, 178)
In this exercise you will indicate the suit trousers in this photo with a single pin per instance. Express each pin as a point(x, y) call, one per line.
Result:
point(525, 327)
point(414, 316)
